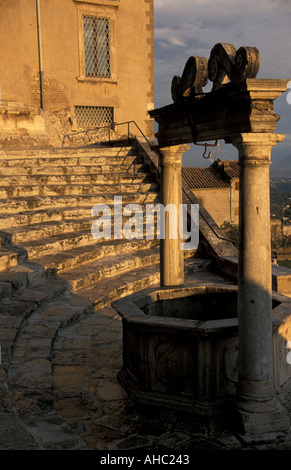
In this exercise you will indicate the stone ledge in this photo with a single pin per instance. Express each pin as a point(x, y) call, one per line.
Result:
point(281, 277)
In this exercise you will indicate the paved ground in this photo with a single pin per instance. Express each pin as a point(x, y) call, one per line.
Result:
point(70, 398)
point(102, 409)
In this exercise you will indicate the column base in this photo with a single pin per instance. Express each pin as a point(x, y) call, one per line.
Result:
point(262, 423)
point(258, 409)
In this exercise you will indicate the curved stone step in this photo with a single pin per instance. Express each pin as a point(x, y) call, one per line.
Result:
point(63, 240)
point(8, 258)
point(64, 168)
point(61, 152)
point(26, 226)
point(55, 243)
point(105, 291)
point(75, 189)
point(116, 177)
point(107, 267)
point(25, 233)
point(69, 259)
point(22, 274)
point(57, 214)
point(17, 205)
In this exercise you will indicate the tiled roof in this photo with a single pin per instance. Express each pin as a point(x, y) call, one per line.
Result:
point(218, 175)
point(198, 178)
point(230, 167)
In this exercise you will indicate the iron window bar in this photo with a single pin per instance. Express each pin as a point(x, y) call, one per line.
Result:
point(97, 46)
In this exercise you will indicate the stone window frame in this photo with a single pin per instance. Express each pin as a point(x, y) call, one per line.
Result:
point(97, 11)
point(100, 2)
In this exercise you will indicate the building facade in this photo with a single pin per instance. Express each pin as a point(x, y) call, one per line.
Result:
point(90, 60)
point(217, 188)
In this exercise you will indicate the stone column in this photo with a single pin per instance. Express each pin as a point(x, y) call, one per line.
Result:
point(258, 409)
point(171, 255)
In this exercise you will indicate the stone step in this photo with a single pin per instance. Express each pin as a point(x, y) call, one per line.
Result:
point(65, 179)
point(23, 292)
point(75, 189)
point(55, 243)
point(36, 217)
point(53, 215)
point(71, 162)
point(107, 267)
point(19, 276)
point(65, 260)
point(26, 272)
point(64, 168)
point(104, 292)
point(8, 258)
point(14, 207)
point(22, 234)
point(55, 152)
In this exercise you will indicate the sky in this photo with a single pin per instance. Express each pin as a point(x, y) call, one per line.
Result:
point(185, 28)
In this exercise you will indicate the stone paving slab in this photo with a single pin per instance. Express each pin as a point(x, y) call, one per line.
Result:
point(14, 436)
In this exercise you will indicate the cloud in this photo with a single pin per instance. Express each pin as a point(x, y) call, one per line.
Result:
point(169, 36)
point(198, 25)
point(192, 27)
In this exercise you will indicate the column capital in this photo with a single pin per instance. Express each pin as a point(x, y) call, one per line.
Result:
point(257, 139)
point(255, 148)
point(173, 154)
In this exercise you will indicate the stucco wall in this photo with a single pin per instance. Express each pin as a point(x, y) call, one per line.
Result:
point(222, 203)
point(129, 90)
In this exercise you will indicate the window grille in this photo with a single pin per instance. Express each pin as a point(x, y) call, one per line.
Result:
point(93, 116)
point(97, 46)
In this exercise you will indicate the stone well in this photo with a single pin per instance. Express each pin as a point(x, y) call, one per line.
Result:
point(180, 347)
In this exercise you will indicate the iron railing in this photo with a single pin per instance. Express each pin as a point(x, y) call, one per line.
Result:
point(110, 128)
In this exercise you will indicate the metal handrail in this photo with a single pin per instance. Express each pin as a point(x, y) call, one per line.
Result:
point(109, 127)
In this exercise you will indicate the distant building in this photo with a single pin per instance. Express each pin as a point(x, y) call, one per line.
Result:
point(217, 187)
point(90, 62)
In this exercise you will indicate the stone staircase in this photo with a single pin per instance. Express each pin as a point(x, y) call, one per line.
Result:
point(45, 225)
point(53, 272)
point(47, 196)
